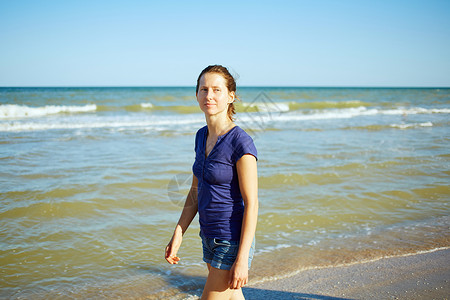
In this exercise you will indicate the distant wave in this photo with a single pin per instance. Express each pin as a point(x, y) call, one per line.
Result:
point(283, 107)
point(290, 110)
point(100, 123)
point(397, 126)
point(22, 111)
point(269, 106)
point(412, 125)
point(146, 105)
point(263, 107)
point(150, 107)
point(247, 107)
point(173, 122)
point(328, 104)
point(350, 113)
point(8, 111)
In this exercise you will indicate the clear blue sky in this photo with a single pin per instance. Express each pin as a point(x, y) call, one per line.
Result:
point(276, 43)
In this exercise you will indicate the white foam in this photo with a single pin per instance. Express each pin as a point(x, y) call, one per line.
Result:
point(412, 125)
point(17, 118)
point(440, 111)
point(8, 111)
point(269, 107)
point(272, 248)
point(100, 122)
point(316, 115)
point(273, 107)
point(146, 105)
point(330, 114)
point(414, 111)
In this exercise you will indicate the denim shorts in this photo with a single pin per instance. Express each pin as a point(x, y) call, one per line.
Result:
point(221, 254)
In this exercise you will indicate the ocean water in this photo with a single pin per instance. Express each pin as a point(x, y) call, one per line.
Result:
point(92, 182)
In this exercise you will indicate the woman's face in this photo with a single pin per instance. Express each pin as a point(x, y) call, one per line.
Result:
point(213, 96)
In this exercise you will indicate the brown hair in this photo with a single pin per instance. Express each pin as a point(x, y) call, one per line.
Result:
point(230, 82)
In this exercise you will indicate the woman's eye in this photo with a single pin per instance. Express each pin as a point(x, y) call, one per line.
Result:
point(217, 90)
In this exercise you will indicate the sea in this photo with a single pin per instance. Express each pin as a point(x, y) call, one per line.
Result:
point(93, 180)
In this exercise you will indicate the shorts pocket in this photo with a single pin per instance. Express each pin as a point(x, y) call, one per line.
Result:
point(225, 243)
point(226, 250)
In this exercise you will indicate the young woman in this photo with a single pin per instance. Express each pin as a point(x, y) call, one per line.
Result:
point(224, 190)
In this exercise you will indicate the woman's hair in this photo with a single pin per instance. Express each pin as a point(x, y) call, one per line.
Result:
point(230, 83)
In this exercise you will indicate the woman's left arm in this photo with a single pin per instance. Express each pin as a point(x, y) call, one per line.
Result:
point(248, 183)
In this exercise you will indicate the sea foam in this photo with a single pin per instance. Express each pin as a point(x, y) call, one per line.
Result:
point(173, 122)
point(146, 105)
point(412, 125)
point(345, 113)
point(159, 123)
point(22, 111)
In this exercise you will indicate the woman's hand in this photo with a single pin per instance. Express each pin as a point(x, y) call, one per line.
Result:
point(172, 249)
point(238, 274)
point(189, 211)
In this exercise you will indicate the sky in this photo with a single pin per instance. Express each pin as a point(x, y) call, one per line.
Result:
point(263, 43)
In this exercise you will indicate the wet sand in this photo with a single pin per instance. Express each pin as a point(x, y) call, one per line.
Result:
point(419, 276)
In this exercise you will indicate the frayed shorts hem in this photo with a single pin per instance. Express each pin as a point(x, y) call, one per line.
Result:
point(221, 254)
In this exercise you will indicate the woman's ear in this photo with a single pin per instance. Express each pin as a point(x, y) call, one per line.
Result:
point(232, 96)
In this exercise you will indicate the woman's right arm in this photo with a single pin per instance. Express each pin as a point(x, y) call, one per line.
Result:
point(187, 215)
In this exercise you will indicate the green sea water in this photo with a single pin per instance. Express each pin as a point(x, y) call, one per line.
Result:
point(92, 182)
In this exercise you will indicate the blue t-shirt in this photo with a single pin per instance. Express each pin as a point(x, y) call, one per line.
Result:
point(220, 203)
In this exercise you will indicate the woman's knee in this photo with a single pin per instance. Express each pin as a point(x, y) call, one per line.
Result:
point(217, 286)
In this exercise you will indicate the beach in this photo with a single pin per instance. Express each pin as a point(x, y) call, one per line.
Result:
point(418, 276)
point(93, 181)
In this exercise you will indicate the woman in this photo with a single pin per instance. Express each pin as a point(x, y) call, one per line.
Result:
point(224, 190)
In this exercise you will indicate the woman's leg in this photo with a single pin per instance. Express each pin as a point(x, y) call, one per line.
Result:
point(237, 295)
point(216, 286)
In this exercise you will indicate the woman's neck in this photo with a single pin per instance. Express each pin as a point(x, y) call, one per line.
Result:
point(218, 125)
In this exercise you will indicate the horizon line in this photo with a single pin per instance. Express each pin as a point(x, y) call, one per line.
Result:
point(243, 86)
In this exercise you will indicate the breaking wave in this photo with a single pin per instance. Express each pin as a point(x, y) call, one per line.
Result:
point(8, 111)
point(16, 118)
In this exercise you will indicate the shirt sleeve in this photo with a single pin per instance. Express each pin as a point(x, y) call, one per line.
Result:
point(245, 145)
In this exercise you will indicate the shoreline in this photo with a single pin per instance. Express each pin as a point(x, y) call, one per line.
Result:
point(423, 275)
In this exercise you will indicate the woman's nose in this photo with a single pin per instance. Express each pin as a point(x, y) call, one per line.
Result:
point(209, 94)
